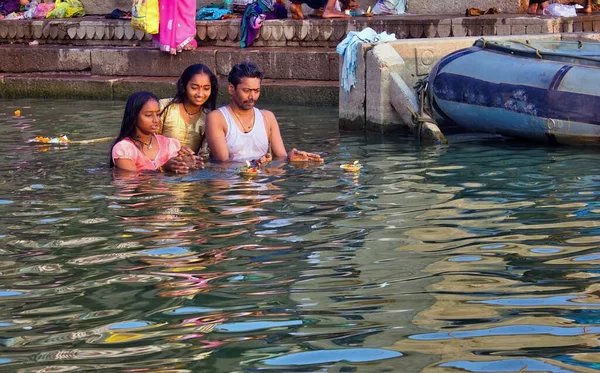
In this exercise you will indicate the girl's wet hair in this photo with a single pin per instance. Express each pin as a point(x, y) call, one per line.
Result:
point(134, 105)
point(244, 70)
point(185, 78)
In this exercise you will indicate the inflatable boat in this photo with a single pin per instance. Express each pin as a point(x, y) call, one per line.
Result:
point(543, 91)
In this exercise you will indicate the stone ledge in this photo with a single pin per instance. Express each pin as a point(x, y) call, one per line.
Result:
point(277, 63)
point(295, 92)
point(90, 31)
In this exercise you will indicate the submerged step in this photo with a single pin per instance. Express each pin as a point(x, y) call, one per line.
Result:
point(88, 86)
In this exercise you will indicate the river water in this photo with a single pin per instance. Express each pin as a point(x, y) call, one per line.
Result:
point(479, 256)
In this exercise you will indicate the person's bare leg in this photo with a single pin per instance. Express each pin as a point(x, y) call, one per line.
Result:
point(541, 6)
point(588, 6)
point(330, 12)
point(296, 10)
point(532, 8)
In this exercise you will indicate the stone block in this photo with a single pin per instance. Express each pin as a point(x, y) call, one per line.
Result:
point(352, 104)
point(402, 31)
point(444, 28)
point(502, 29)
point(281, 63)
point(310, 65)
point(58, 87)
point(459, 29)
point(567, 26)
point(577, 26)
point(401, 98)
point(584, 36)
point(226, 58)
point(23, 58)
point(534, 29)
point(548, 27)
point(518, 29)
point(596, 26)
point(301, 93)
point(416, 31)
point(147, 62)
point(161, 87)
point(3, 92)
point(588, 26)
point(334, 66)
point(488, 29)
point(420, 55)
point(381, 61)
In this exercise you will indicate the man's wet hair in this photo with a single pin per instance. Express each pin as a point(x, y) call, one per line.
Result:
point(244, 70)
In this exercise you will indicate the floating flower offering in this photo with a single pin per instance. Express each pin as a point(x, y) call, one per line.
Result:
point(351, 167)
point(249, 171)
point(17, 113)
point(62, 140)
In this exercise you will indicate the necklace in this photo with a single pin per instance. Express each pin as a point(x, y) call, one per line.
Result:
point(148, 144)
point(188, 113)
point(250, 126)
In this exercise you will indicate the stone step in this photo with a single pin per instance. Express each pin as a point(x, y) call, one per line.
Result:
point(93, 30)
point(277, 63)
point(88, 86)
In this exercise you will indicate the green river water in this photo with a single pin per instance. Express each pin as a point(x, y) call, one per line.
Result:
point(479, 256)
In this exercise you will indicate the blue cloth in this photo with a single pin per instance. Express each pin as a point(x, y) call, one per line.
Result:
point(349, 49)
point(211, 13)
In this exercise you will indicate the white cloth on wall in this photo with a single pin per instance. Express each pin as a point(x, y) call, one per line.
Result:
point(348, 48)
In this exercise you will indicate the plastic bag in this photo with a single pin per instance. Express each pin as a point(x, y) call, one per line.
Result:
point(66, 9)
point(145, 16)
point(390, 7)
point(560, 10)
point(42, 10)
point(30, 10)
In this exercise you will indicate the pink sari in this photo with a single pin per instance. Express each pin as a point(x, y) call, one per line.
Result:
point(177, 25)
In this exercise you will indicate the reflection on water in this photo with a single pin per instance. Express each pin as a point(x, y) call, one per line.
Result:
point(480, 256)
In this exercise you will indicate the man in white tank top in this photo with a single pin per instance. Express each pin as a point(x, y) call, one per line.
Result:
point(239, 131)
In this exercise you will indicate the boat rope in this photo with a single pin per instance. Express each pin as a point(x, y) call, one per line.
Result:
point(420, 118)
point(537, 51)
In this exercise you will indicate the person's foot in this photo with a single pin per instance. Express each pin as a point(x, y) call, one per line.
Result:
point(332, 13)
point(532, 9)
point(296, 10)
point(193, 44)
point(318, 13)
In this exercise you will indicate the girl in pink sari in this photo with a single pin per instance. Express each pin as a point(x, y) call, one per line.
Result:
point(177, 30)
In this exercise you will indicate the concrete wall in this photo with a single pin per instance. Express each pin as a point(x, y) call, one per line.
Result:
point(99, 7)
point(95, 7)
point(459, 6)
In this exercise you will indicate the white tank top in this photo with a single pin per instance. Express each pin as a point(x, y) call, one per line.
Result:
point(246, 146)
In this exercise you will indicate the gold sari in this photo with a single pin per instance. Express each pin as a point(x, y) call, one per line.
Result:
point(172, 124)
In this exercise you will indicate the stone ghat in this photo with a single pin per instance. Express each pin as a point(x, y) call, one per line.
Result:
point(97, 31)
point(277, 63)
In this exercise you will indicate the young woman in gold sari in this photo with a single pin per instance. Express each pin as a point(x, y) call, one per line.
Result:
point(183, 117)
